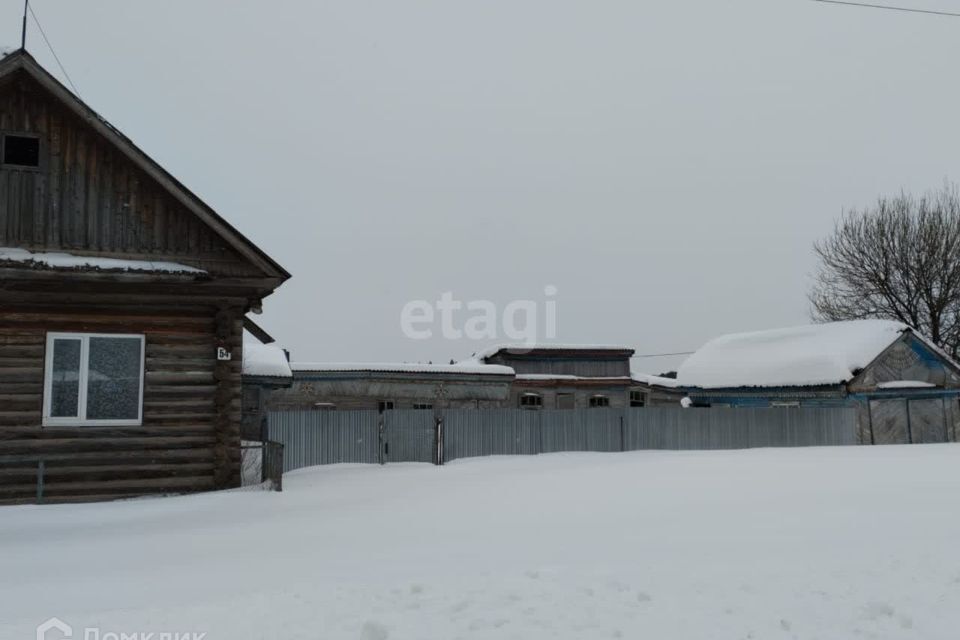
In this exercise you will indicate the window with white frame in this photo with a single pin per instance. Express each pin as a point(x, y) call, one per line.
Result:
point(93, 379)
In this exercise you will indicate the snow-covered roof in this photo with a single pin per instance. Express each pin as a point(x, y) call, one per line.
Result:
point(464, 368)
point(819, 354)
point(566, 376)
point(654, 381)
point(521, 347)
point(267, 360)
point(70, 261)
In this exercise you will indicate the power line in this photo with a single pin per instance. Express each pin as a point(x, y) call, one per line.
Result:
point(50, 46)
point(890, 8)
point(661, 355)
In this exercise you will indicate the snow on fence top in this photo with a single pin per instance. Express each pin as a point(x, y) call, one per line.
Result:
point(521, 347)
point(70, 261)
point(818, 354)
point(266, 360)
point(467, 368)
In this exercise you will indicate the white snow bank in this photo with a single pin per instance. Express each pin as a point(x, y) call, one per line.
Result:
point(264, 359)
point(466, 368)
point(767, 544)
point(70, 261)
point(815, 354)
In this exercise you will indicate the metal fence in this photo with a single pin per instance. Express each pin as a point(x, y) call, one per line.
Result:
point(327, 437)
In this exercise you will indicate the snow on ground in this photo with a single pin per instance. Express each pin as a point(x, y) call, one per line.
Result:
point(852, 542)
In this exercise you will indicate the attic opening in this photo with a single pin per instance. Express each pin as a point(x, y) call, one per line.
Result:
point(21, 151)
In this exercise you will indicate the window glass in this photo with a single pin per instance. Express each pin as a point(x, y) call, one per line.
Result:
point(113, 380)
point(65, 378)
point(599, 401)
point(21, 151)
point(531, 401)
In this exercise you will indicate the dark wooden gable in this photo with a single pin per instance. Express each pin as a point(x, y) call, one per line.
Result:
point(95, 193)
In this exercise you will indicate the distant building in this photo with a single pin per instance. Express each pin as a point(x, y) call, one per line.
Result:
point(556, 376)
point(386, 386)
point(903, 387)
point(541, 377)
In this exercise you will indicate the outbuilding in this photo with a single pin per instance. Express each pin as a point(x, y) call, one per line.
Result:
point(903, 387)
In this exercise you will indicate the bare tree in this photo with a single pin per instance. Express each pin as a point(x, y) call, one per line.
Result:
point(898, 260)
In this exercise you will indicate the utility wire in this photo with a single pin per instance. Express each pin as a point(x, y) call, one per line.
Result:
point(50, 46)
point(661, 355)
point(890, 8)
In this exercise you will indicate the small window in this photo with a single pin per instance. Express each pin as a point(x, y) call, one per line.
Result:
point(385, 405)
point(597, 402)
point(531, 401)
point(638, 399)
point(93, 380)
point(786, 404)
point(324, 406)
point(21, 151)
point(423, 406)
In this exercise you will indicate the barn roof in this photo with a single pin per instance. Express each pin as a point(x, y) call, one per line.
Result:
point(20, 60)
point(809, 355)
point(542, 348)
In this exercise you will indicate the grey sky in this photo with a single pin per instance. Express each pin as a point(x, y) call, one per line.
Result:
point(666, 165)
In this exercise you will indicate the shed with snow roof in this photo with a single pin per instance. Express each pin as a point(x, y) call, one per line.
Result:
point(121, 310)
point(903, 387)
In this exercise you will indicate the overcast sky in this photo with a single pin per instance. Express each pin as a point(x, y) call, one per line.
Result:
point(665, 165)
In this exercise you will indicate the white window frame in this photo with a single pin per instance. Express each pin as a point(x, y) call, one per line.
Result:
point(79, 420)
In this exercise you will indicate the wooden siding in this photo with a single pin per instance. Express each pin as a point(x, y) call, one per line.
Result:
point(88, 198)
point(190, 436)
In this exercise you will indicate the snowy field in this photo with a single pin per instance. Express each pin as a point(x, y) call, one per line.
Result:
point(802, 543)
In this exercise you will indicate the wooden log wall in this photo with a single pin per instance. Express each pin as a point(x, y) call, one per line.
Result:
point(190, 436)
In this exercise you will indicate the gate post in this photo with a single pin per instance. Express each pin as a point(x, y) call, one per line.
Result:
point(381, 441)
point(623, 443)
point(438, 439)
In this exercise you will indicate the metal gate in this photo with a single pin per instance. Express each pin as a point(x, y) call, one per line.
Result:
point(410, 436)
